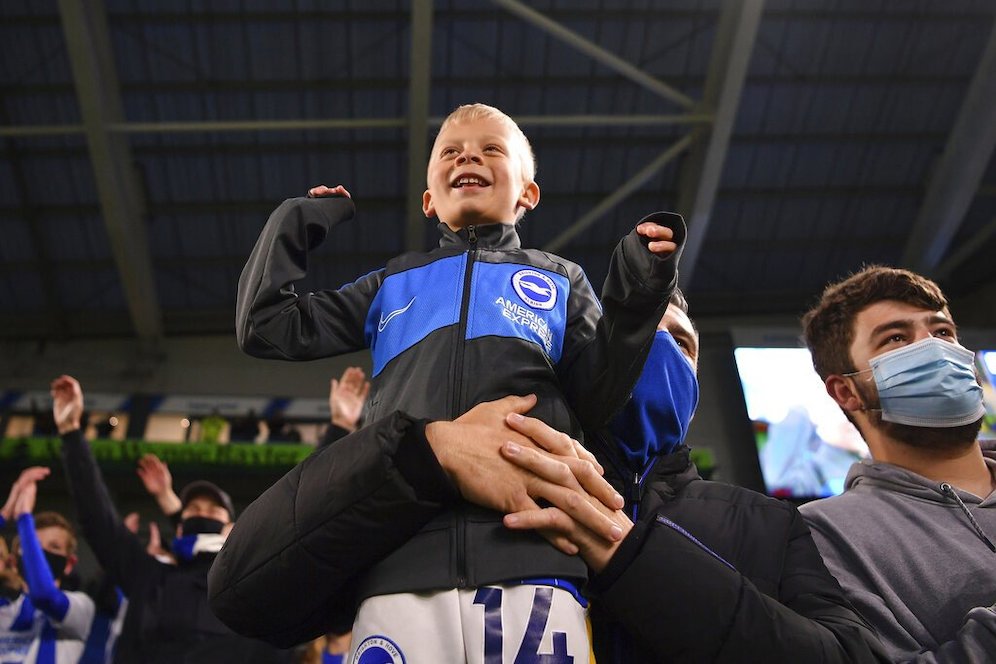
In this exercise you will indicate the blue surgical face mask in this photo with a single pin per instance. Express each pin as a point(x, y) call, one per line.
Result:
point(930, 383)
point(655, 419)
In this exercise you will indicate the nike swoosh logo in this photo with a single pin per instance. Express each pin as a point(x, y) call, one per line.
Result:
point(397, 312)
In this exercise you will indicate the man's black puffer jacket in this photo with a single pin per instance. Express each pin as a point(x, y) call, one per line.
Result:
point(290, 569)
point(713, 572)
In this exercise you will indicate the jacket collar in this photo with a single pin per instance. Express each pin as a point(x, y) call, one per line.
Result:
point(675, 469)
point(489, 236)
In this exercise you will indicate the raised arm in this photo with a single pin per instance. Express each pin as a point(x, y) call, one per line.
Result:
point(119, 551)
point(74, 612)
point(347, 396)
point(20, 504)
point(604, 353)
point(273, 320)
point(158, 482)
point(44, 594)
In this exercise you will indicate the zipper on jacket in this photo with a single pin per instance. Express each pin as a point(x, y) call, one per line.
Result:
point(633, 495)
point(458, 405)
point(664, 521)
point(633, 489)
point(949, 491)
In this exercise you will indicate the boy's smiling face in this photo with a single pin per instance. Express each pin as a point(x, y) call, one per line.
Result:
point(475, 175)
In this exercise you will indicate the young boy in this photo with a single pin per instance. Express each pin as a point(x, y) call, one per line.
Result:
point(41, 623)
point(474, 320)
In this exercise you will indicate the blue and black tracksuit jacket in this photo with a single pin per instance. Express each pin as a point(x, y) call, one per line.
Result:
point(476, 319)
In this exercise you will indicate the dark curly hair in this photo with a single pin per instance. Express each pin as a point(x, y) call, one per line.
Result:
point(828, 328)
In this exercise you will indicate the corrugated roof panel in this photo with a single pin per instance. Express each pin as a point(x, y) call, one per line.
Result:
point(71, 175)
point(22, 291)
point(17, 246)
point(841, 123)
point(96, 289)
point(9, 194)
point(81, 238)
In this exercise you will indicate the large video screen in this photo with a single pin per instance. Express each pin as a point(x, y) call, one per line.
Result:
point(805, 445)
point(985, 363)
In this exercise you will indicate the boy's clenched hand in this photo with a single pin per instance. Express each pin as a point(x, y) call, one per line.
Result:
point(660, 238)
point(322, 191)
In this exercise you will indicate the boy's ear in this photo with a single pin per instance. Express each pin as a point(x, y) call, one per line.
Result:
point(530, 196)
point(427, 208)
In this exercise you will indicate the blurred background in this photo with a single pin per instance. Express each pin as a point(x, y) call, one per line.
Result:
point(143, 145)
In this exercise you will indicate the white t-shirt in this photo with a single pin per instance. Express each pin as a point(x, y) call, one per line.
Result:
point(23, 629)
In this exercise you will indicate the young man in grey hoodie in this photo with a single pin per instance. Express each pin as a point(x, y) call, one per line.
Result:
point(911, 537)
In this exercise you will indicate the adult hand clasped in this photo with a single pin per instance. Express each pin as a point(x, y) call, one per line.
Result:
point(930, 383)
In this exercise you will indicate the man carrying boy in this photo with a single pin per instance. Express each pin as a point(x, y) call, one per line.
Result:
point(708, 571)
point(40, 622)
point(477, 319)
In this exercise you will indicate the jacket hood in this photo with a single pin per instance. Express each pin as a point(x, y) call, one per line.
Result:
point(906, 481)
point(489, 236)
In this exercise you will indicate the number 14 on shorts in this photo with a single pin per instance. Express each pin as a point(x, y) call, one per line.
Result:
point(505, 608)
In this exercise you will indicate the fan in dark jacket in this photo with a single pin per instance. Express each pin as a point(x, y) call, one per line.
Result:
point(168, 617)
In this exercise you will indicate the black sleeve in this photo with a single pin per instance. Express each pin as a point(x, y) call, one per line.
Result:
point(607, 346)
point(289, 568)
point(333, 432)
point(118, 550)
point(682, 602)
point(271, 319)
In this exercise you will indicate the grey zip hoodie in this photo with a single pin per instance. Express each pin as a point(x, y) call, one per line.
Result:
point(916, 557)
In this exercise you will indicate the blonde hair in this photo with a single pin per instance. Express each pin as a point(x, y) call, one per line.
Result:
point(483, 111)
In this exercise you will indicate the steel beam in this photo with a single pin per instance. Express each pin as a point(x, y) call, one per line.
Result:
point(253, 125)
point(956, 181)
point(619, 194)
point(596, 52)
point(221, 126)
point(735, 37)
point(612, 120)
point(84, 24)
point(13, 131)
point(419, 94)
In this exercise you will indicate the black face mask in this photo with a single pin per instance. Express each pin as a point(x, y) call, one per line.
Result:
point(56, 563)
point(201, 525)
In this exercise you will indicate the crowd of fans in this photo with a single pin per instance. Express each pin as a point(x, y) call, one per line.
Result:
point(149, 601)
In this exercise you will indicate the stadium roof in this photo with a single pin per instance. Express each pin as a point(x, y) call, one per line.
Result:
point(143, 144)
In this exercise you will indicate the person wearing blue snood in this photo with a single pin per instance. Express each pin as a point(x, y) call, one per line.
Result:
point(706, 571)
